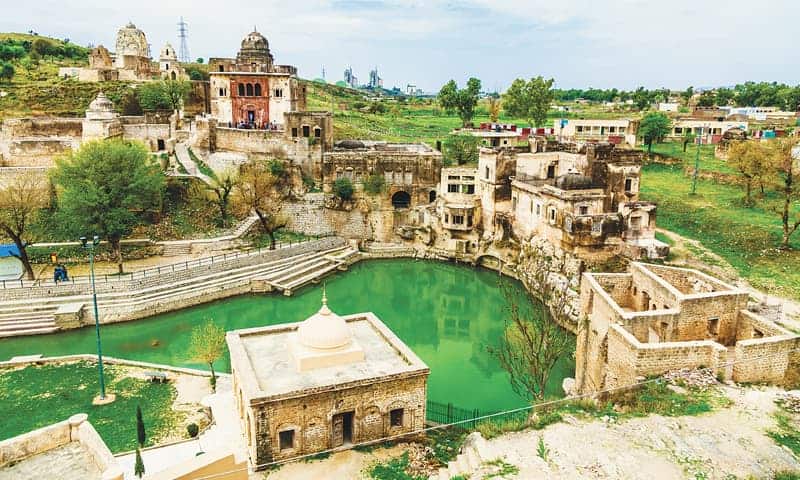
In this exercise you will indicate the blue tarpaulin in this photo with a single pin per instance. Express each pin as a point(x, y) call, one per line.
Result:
point(9, 250)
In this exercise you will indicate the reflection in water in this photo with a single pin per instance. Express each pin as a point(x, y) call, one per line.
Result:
point(447, 314)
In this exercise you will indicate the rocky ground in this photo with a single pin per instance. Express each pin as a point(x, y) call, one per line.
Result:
point(725, 444)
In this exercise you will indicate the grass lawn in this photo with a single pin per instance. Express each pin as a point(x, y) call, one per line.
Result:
point(35, 397)
point(745, 237)
point(708, 162)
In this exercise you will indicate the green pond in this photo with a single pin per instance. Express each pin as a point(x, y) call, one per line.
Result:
point(446, 313)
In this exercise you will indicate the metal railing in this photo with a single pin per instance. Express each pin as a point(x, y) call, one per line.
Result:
point(155, 271)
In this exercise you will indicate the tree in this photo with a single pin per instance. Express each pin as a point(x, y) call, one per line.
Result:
point(138, 468)
point(641, 98)
point(141, 435)
point(199, 60)
point(687, 95)
point(461, 101)
point(653, 128)
point(6, 71)
point(707, 99)
point(207, 344)
point(222, 186)
point(343, 188)
point(688, 137)
point(723, 96)
point(264, 193)
point(163, 95)
point(785, 157)
point(107, 187)
point(494, 108)
point(20, 203)
point(533, 339)
point(529, 100)
point(460, 148)
point(751, 160)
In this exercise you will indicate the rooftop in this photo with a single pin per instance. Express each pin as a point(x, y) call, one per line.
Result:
point(266, 363)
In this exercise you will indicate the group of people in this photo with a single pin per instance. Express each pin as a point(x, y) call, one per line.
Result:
point(60, 274)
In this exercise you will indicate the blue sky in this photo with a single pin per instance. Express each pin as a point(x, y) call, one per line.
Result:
point(580, 43)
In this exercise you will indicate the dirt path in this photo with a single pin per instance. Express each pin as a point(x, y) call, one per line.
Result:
point(729, 443)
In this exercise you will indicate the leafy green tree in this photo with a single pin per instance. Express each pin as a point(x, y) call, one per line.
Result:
point(6, 71)
point(460, 148)
point(723, 96)
point(199, 60)
point(163, 95)
point(687, 95)
point(141, 435)
point(107, 187)
point(374, 184)
point(207, 344)
point(653, 128)
point(642, 98)
point(264, 193)
point(752, 160)
point(343, 188)
point(783, 157)
point(707, 99)
point(138, 468)
point(529, 100)
point(462, 101)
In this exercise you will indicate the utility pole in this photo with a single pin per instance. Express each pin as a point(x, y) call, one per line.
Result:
point(90, 246)
point(183, 34)
point(697, 162)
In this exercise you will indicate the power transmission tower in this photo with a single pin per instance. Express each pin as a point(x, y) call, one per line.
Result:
point(183, 34)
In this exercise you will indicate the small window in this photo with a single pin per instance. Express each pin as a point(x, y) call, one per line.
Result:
point(453, 177)
point(470, 189)
point(538, 210)
point(258, 89)
point(628, 184)
point(487, 173)
point(317, 132)
point(221, 92)
point(294, 131)
point(458, 219)
point(469, 220)
point(452, 188)
point(222, 68)
point(241, 89)
point(713, 325)
point(249, 89)
point(551, 171)
point(286, 438)
point(446, 218)
point(278, 92)
point(552, 214)
point(306, 131)
point(396, 417)
point(583, 210)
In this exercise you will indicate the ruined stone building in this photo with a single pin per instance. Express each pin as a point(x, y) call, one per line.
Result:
point(654, 319)
point(583, 199)
point(251, 90)
point(326, 382)
point(131, 61)
point(37, 142)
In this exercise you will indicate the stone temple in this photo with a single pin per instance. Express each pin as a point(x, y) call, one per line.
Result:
point(323, 383)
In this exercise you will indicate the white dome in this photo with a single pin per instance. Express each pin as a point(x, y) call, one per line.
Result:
point(324, 330)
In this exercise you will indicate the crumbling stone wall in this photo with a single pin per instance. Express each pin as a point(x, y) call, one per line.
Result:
point(364, 220)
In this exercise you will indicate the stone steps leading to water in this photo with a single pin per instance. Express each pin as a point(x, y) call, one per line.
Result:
point(474, 453)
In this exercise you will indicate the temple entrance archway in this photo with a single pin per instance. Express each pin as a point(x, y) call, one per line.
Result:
point(401, 200)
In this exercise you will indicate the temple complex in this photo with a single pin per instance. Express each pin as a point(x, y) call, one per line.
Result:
point(323, 383)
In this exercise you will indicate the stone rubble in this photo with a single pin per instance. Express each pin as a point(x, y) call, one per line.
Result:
point(691, 378)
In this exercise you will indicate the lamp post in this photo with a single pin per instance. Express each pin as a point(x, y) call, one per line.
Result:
point(90, 247)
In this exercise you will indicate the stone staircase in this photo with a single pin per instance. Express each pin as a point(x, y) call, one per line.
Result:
point(474, 453)
point(175, 249)
point(37, 315)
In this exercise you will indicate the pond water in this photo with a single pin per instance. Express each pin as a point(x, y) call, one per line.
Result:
point(446, 313)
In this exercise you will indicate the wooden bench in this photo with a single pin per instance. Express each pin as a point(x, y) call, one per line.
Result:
point(154, 376)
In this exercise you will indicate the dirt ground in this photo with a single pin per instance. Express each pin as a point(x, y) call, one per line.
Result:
point(725, 444)
point(348, 465)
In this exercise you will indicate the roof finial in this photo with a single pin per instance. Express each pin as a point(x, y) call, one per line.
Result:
point(324, 295)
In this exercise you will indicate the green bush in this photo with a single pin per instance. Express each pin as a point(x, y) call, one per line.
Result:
point(192, 429)
point(374, 184)
point(277, 168)
point(343, 188)
point(460, 148)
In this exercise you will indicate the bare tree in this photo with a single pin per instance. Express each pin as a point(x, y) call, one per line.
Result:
point(534, 338)
point(20, 203)
point(786, 160)
point(222, 186)
point(264, 192)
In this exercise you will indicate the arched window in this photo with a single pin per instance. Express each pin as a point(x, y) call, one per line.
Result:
point(258, 89)
point(173, 75)
point(241, 90)
point(249, 89)
point(401, 199)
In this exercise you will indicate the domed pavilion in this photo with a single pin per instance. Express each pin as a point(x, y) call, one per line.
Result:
point(329, 381)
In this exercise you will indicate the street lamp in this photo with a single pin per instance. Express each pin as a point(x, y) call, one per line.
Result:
point(90, 247)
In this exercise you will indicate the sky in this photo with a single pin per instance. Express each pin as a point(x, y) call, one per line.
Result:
point(579, 43)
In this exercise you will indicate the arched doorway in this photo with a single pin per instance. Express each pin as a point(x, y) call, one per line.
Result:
point(432, 196)
point(401, 199)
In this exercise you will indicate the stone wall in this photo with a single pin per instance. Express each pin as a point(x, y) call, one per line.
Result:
point(768, 360)
point(310, 416)
point(365, 220)
point(42, 127)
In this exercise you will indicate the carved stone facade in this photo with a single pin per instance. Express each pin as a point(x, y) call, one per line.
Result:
point(250, 91)
point(654, 319)
point(131, 60)
point(327, 382)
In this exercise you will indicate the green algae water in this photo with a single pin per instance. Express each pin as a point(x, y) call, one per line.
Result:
point(447, 314)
